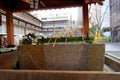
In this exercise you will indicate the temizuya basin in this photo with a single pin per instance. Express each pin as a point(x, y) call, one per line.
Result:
point(63, 56)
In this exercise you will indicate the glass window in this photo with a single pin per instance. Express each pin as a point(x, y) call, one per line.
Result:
point(3, 18)
point(0, 29)
point(16, 30)
point(21, 23)
point(3, 28)
point(21, 30)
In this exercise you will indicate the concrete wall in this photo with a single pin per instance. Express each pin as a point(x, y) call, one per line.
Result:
point(85, 57)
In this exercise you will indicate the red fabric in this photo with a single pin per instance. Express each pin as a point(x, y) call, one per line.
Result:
point(5, 43)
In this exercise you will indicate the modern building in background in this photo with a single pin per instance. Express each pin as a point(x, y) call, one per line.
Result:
point(53, 20)
point(115, 19)
point(58, 19)
point(49, 26)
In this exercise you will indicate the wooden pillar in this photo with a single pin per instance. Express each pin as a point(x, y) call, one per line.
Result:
point(10, 28)
point(27, 1)
point(85, 20)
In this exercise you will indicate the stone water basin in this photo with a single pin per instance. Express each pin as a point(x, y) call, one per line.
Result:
point(63, 56)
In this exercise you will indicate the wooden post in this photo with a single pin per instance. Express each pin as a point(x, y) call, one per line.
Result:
point(85, 20)
point(10, 28)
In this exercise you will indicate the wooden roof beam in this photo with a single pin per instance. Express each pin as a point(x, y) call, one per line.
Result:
point(94, 1)
point(2, 5)
point(27, 1)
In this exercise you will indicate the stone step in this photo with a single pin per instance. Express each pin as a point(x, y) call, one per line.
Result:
point(112, 62)
point(57, 75)
point(108, 69)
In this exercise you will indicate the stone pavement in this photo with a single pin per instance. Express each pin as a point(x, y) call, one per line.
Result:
point(112, 46)
point(113, 49)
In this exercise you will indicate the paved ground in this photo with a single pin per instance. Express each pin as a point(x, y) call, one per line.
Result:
point(113, 49)
point(112, 46)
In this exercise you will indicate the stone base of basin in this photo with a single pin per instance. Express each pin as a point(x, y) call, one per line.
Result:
point(83, 57)
point(8, 60)
point(56, 75)
point(30, 57)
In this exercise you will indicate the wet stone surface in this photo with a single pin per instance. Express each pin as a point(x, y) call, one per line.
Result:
point(83, 57)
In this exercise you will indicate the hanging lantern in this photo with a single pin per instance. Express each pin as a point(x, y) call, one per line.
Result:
point(34, 4)
point(31, 3)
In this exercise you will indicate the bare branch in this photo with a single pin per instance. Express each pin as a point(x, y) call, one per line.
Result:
point(103, 17)
point(96, 15)
point(93, 17)
point(98, 19)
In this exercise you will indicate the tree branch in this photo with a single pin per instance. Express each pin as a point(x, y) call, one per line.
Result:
point(102, 19)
